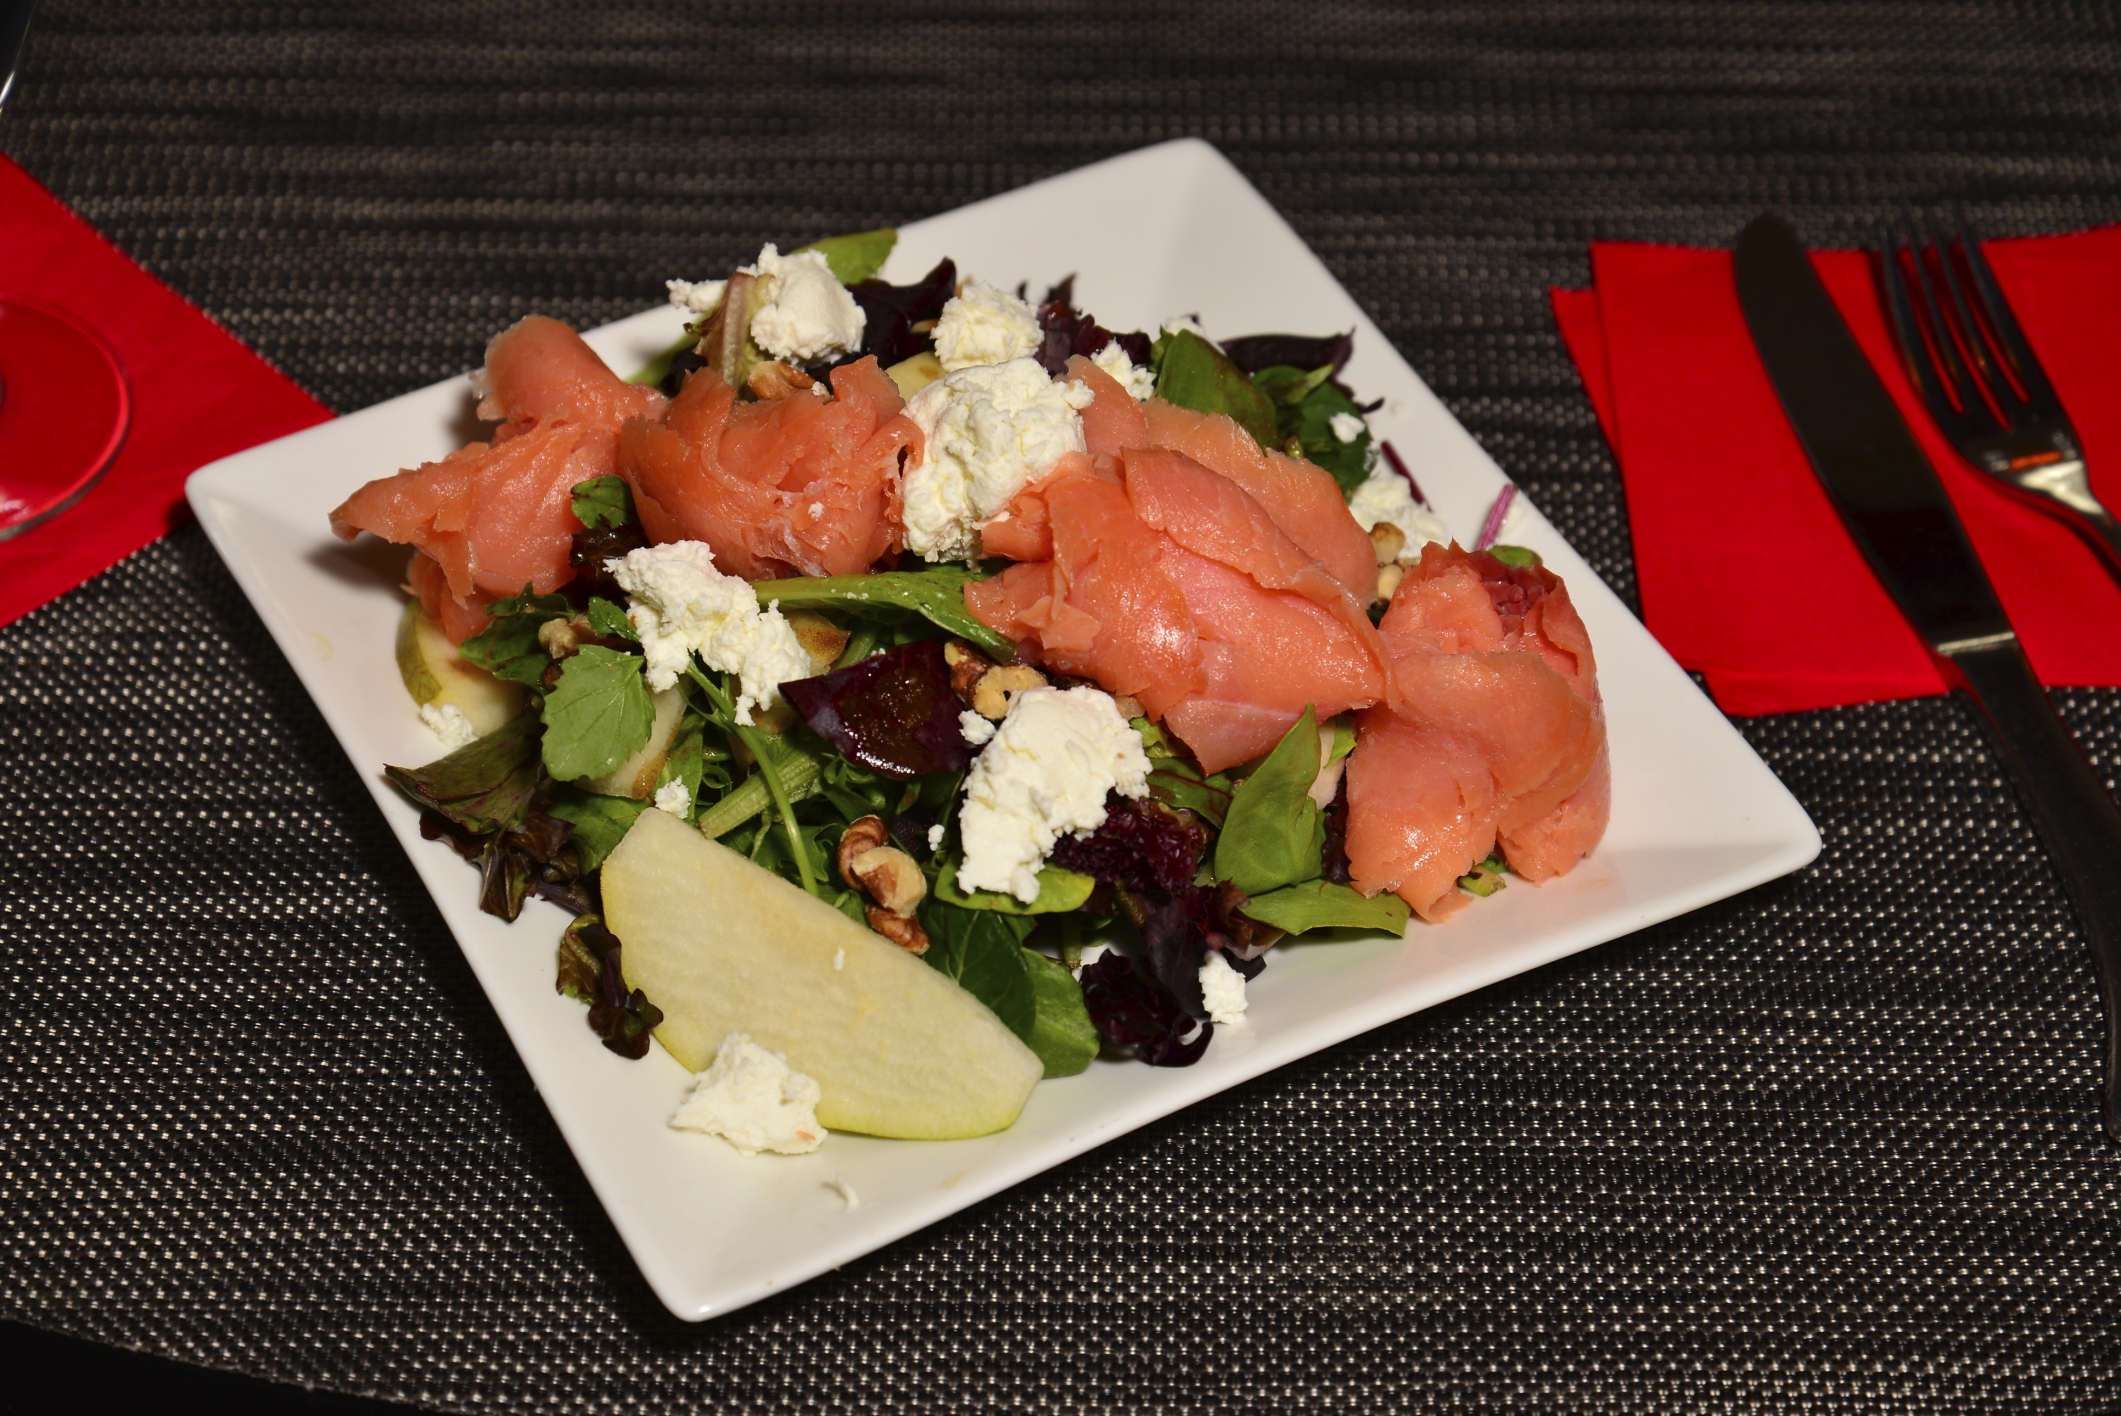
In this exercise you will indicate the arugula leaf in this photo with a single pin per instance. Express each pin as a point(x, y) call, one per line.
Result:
point(1059, 891)
point(610, 621)
point(485, 785)
point(936, 593)
point(600, 822)
point(603, 501)
point(1274, 834)
point(1193, 373)
point(983, 951)
point(1061, 1031)
point(1321, 904)
point(598, 715)
point(856, 256)
point(508, 647)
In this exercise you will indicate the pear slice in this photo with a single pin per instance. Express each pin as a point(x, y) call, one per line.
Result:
point(635, 777)
point(435, 673)
point(723, 946)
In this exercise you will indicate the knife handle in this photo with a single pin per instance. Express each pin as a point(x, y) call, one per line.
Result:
point(2071, 809)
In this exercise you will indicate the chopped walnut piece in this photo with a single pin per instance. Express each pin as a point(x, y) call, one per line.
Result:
point(1388, 540)
point(776, 380)
point(864, 835)
point(561, 638)
point(891, 877)
point(999, 686)
point(902, 930)
point(1388, 580)
point(967, 667)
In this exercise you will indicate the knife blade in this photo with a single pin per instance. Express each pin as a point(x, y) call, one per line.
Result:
point(1897, 512)
point(14, 29)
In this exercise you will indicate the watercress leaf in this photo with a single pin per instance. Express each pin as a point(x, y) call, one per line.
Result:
point(935, 593)
point(1321, 904)
point(610, 621)
point(485, 785)
point(857, 255)
point(1059, 891)
point(508, 646)
point(598, 715)
point(983, 951)
point(1195, 374)
point(603, 502)
point(1273, 835)
point(1061, 1031)
point(600, 822)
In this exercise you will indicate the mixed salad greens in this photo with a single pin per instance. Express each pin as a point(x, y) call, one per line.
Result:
point(870, 748)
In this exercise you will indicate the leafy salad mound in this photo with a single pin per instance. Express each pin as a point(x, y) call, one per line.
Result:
point(867, 756)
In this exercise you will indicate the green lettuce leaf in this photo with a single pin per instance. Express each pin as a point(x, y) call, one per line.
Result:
point(1193, 373)
point(600, 822)
point(485, 785)
point(983, 951)
point(1304, 404)
point(598, 715)
point(1521, 557)
point(1321, 904)
point(1061, 1031)
point(1275, 834)
point(936, 593)
point(508, 647)
point(856, 256)
point(603, 501)
point(1059, 891)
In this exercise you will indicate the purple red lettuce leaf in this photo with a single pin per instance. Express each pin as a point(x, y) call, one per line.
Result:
point(1130, 1009)
point(589, 971)
point(893, 713)
point(1254, 352)
point(1143, 846)
point(1065, 331)
point(893, 310)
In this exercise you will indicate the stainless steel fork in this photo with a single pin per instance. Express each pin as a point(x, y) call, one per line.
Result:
point(1984, 387)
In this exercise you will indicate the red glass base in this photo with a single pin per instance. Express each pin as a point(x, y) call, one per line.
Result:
point(64, 408)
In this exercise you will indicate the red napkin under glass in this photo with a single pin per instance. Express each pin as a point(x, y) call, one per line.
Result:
point(197, 394)
point(1747, 574)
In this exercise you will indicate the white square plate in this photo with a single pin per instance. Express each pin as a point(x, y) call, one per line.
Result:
point(1168, 230)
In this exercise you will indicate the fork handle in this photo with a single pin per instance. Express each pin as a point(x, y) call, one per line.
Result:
point(2071, 809)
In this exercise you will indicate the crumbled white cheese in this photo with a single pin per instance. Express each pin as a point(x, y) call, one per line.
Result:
point(838, 1183)
point(1139, 383)
point(976, 730)
point(817, 509)
point(982, 325)
point(839, 960)
point(935, 832)
point(447, 722)
point(1347, 426)
point(986, 431)
point(1190, 326)
point(675, 798)
point(683, 606)
point(1222, 989)
point(800, 311)
point(1046, 774)
point(697, 297)
point(1385, 496)
point(752, 1099)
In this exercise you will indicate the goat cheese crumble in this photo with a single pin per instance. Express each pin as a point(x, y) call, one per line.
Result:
point(986, 431)
point(799, 309)
point(754, 1100)
point(1045, 774)
point(682, 605)
point(1385, 496)
point(1347, 427)
point(675, 798)
point(983, 325)
point(447, 722)
point(1222, 989)
point(1139, 383)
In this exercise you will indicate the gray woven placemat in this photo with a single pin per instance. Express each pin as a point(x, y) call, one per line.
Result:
point(1825, 1147)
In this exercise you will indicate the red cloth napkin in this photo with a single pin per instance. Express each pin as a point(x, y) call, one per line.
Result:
point(1747, 574)
point(197, 394)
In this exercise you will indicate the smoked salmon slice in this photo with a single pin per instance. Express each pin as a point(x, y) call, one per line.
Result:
point(494, 516)
point(1493, 734)
point(1302, 497)
point(795, 485)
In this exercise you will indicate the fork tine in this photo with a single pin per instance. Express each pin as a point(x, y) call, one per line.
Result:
point(1980, 351)
point(1972, 414)
point(2024, 366)
point(1908, 333)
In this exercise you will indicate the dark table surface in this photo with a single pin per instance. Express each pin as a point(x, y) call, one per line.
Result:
point(1825, 1147)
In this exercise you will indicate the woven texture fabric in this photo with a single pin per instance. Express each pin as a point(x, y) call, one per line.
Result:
point(1826, 1147)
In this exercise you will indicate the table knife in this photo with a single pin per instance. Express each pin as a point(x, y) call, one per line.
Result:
point(14, 30)
point(1900, 518)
